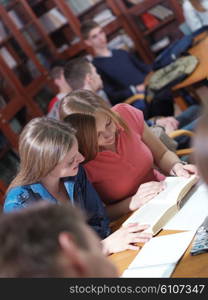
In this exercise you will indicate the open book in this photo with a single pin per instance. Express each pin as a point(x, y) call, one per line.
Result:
point(158, 211)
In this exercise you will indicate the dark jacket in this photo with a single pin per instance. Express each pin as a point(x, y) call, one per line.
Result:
point(119, 72)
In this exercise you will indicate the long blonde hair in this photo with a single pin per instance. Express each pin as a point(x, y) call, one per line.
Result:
point(43, 144)
point(79, 108)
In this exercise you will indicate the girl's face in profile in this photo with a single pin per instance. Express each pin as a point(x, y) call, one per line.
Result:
point(70, 164)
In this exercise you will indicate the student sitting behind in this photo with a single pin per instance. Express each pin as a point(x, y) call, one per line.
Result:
point(120, 151)
point(57, 75)
point(81, 74)
point(195, 13)
point(200, 144)
point(122, 73)
point(49, 170)
point(47, 240)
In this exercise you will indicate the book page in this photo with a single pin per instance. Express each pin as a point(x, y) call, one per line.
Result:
point(152, 212)
point(191, 215)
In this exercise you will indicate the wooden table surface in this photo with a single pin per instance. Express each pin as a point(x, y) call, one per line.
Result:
point(188, 266)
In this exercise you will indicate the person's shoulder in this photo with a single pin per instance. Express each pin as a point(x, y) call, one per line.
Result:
point(119, 52)
point(121, 106)
point(12, 197)
point(16, 191)
point(125, 108)
point(133, 116)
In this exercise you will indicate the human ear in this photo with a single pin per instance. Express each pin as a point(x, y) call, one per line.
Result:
point(73, 255)
point(88, 79)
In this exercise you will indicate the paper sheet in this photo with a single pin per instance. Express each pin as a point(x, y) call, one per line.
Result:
point(161, 271)
point(159, 256)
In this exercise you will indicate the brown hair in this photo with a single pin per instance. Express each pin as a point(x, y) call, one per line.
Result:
point(86, 27)
point(43, 143)
point(85, 103)
point(87, 138)
point(75, 72)
point(29, 239)
point(56, 72)
point(57, 69)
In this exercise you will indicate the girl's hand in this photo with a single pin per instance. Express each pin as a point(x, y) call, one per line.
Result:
point(125, 238)
point(183, 170)
point(145, 193)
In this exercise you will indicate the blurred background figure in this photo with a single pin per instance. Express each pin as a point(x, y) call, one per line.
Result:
point(48, 240)
point(195, 13)
point(201, 145)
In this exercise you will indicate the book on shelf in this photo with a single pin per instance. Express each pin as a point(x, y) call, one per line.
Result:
point(121, 41)
point(53, 20)
point(79, 6)
point(133, 2)
point(16, 19)
point(8, 58)
point(161, 12)
point(149, 20)
point(3, 31)
point(29, 39)
point(104, 17)
point(161, 44)
point(32, 36)
point(158, 211)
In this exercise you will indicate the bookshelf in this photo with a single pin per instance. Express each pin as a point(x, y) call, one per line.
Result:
point(35, 33)
point(155, 23)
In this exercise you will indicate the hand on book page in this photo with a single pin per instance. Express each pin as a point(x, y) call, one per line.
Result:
point(125, 238)
point(145, 193)
point(165, 205)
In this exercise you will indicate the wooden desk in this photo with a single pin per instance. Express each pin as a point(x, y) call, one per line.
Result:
point(188, 266)
point(201, 71)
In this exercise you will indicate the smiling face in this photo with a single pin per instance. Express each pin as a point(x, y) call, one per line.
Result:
point(106, 130)
point(70, 164)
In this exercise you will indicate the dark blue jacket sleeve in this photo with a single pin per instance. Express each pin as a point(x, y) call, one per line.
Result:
point(92, 205)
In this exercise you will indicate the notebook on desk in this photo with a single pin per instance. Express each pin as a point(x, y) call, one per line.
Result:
point(159, 256)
